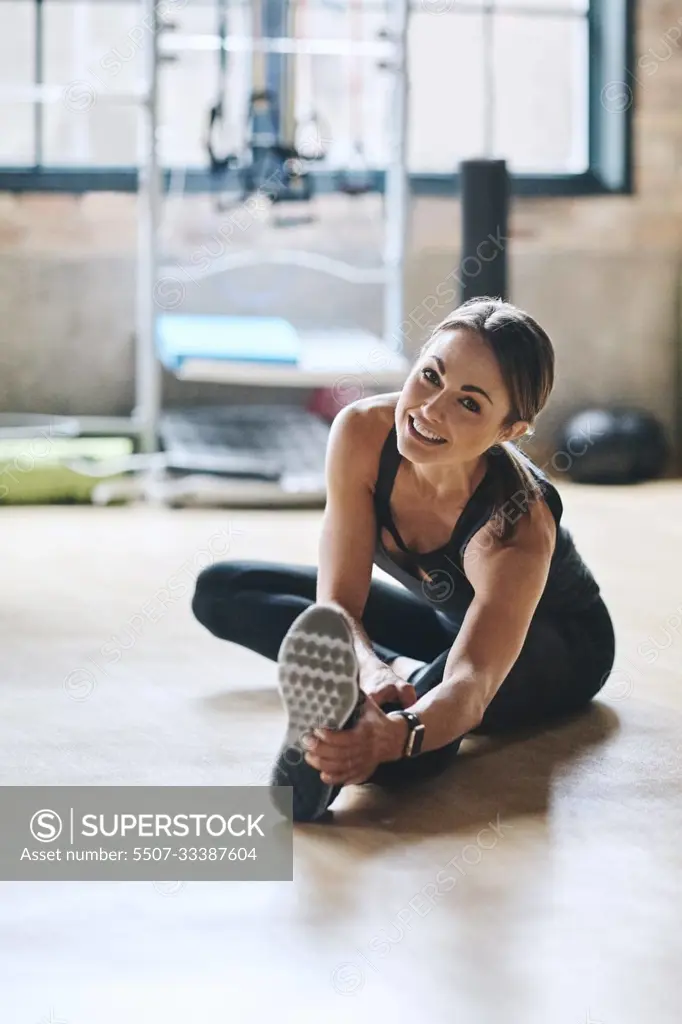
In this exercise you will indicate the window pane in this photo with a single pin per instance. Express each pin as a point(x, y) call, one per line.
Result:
point(349, 95)
point(446, 94)
point(92, 51)
point(443, 7)
point(541, 101)
point(189, 86)
point(579, 6)
point(347, 98)
point(17, 20)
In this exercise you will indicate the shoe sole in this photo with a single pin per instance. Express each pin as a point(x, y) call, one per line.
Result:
point(318, 679)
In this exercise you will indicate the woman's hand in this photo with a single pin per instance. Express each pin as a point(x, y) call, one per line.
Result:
point(350, 756)
point(383, 685)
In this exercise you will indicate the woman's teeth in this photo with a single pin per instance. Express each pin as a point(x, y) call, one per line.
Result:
point(425, 433)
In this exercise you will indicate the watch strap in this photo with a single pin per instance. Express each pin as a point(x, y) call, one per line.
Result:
point(415, 734)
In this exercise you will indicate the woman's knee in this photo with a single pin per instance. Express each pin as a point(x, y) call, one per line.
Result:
point(214, 586)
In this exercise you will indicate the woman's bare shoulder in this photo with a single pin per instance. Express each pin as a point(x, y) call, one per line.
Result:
point(368, 421)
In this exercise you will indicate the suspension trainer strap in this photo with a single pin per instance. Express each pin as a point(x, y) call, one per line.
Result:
point(219, 161)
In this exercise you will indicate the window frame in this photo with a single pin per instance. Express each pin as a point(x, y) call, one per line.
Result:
point(611, 27)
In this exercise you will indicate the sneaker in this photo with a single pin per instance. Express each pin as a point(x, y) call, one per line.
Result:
point(319, 681)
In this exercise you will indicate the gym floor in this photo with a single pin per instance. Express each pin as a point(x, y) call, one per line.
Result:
point(539, 880)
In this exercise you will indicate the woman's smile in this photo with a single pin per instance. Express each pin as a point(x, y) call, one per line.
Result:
point(417, 429)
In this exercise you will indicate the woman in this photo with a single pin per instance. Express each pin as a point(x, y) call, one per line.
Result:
point(498, 624)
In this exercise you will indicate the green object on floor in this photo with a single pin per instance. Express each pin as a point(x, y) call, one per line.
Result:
point(34, 470)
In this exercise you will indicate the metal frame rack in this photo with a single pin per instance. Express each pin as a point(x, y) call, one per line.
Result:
point(371, 360)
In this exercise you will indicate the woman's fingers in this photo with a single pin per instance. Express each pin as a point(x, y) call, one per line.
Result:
point(331, 746)
point(384, 693)
point(333, 764)
point(334, 780)
point(324, 756)
point(335, 767)
point(341, 739)
point(344, 754)
point(407, 695)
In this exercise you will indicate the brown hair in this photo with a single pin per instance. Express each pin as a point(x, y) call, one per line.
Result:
point(525, 356)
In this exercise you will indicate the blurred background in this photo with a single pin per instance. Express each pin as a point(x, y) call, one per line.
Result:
point(137, 207)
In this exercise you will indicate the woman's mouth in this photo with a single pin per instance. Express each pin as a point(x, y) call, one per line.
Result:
point(420, 432)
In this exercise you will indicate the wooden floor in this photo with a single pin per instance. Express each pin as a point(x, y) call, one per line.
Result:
point(539, 881)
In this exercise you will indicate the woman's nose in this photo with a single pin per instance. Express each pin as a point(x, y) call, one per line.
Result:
point(434, 407)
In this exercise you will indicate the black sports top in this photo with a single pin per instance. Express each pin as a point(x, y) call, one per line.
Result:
point(438, 576)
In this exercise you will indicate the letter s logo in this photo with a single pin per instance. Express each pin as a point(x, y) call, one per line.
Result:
point(46, 826)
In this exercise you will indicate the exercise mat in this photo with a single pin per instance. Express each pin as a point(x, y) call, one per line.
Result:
point(41, 470)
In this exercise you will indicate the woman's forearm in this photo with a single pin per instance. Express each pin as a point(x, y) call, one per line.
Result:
point(449, 710)
point(452, 708)
point(477, 662)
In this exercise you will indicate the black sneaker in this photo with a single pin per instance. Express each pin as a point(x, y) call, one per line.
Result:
point(320, 685)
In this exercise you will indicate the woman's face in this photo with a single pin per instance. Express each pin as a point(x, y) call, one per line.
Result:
point(455, 390)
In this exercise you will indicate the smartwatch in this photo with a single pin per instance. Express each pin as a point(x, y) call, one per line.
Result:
point(415, 736)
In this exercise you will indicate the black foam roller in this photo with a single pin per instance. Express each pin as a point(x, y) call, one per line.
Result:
point(485, 206)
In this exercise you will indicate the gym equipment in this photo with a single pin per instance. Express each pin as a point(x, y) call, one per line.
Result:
point(484, 185)
point(272, 163)
point(346, 360)
point(259, 454)
point(620, 445)
point(24, 425)
point(266, 441)
point(356, 179)
point(274, 168)
point(48, 469)
point(311, 134)
point(485, 205)
point(219, 162)
point(239, 338)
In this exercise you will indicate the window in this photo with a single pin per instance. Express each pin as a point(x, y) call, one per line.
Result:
point(525, 81)
point(17, 139)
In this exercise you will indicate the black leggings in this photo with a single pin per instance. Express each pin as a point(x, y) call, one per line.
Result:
point(562, 665)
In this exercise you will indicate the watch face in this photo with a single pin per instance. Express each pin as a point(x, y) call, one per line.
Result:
point(416, 740)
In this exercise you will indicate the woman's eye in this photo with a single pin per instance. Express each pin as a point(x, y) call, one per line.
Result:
point(477, 406)
point(428, 370)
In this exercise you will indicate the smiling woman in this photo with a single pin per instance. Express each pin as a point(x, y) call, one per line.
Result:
point(504, 619)
point(521, 376)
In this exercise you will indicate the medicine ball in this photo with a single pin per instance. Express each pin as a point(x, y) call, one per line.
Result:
point(622, 445)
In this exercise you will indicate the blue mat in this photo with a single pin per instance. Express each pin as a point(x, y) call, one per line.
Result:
point(238, 338)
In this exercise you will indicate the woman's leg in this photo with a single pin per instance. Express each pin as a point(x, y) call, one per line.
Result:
point(254, 604)
point(562, 665)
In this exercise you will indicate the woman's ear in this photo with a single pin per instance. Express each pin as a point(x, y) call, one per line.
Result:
point(518, 429)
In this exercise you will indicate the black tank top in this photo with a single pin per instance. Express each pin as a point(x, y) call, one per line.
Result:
point(438, 576)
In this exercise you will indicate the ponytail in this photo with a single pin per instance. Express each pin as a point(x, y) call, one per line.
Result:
point(515, 489)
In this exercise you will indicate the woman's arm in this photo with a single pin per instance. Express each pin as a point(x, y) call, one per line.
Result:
point(346, 545)
point(508, 583)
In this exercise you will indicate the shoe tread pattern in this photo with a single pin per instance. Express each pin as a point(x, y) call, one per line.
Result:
point(319, 683)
